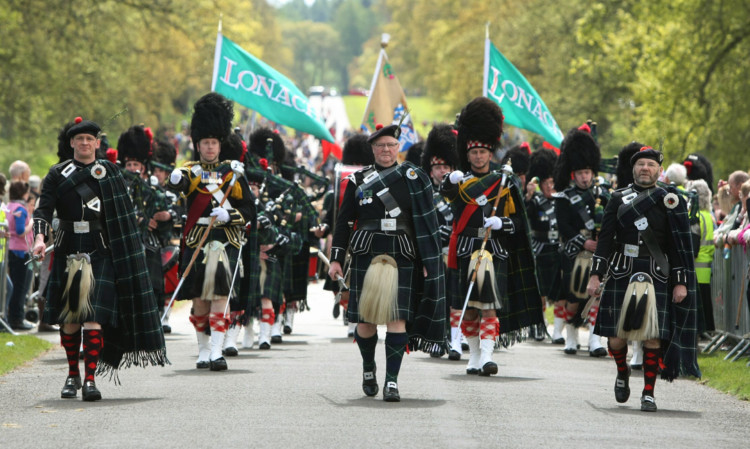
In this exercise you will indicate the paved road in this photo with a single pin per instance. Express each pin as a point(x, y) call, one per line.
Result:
point(306, 392)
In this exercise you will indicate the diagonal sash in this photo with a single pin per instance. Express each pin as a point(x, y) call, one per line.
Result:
point(461, 225)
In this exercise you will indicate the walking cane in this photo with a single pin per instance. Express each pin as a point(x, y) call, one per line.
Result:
point(200, 244)
point(507, 169)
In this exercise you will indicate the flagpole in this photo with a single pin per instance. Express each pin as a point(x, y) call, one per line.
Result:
point(383, 43)
point(486, 58)
point(217, 57)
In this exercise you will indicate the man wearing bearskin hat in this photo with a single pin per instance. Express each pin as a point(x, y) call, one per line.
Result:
point(438, 159)
point(490, 236)
point(134, 153)
point(219, 204)
point(545, 236)
point(356, 153)
point(396, 274)
point(99, 279)
point(579, 206)
point(649, 295)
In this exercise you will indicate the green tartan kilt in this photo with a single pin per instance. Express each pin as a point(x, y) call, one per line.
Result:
point(103, 297)
point(613, 294)
point(409, 287)
point(155, 270)
point(461, 277)
point(295, 274)
point(271, 288)
point(193, 285)
point(548, 272)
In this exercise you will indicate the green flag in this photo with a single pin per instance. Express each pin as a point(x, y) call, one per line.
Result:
point(522, 106)
point(242, 77)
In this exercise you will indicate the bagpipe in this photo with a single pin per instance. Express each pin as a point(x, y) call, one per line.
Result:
point(318, 183)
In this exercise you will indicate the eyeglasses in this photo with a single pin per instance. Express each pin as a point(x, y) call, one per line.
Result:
point(390, 145)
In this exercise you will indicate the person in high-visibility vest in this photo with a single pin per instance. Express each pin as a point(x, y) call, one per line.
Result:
point(706, 252)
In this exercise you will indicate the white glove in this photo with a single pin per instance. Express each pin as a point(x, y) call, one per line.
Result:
point(455, 176)
point(176, 176)
point(221, 214)
point(493, 222)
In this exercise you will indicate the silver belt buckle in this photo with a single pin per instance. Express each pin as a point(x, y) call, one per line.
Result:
point(553, 235)
point(481, 200)
point(388, 224)
point(631, 250)
point(81, 227)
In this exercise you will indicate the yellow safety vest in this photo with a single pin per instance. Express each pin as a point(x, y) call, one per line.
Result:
point(706, 251)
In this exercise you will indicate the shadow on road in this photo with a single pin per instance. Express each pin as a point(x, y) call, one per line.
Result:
point(378, 403)
point(635, 410)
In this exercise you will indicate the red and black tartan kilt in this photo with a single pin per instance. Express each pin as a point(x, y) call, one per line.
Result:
point(613, 294)
point(548, 272)
point(409, 284)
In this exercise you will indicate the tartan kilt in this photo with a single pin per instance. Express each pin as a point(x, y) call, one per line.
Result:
point(193, 286)
point(409, 287)
point(610, 305)
point(155, 270)
point(103, 297)
point(461, 278)
point(271, 287)
point(295, 274)
point(548, 272)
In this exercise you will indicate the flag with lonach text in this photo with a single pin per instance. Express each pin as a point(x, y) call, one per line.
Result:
point(521, 104)
point(387, 103)
point(243, 78)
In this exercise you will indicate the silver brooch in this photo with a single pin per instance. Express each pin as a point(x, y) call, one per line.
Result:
point(98, 171)
point(411, 174)
point(671, 200)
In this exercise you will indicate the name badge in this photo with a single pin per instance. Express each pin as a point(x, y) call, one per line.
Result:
point(388, 224)
point(481, 200)
point(81, 227)
point(631, 250)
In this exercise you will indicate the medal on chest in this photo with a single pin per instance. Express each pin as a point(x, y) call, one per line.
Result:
point(210, 177)
point(365, 197)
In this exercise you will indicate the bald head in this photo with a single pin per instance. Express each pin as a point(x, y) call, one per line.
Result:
point(19, 171)
point(736, 179)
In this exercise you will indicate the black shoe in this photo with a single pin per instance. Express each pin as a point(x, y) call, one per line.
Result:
point(350, 334)
point(472, 371)
point(488, 369)
point(464, 346)
point(275, 338)
point(390, 392)
point(622, 387)
point(230, 351)
point(636, 367)
point(648, 404)
point(287, 330)
point(202, 364)
point(166, 328)
point(71, 387)
point(219, 364)
point(598, 352)
point(21, 325)
point(370, 383)
point(265, 345)
point(90, 392)
point(558, 341)
point(570, 351)
point(454, 355)
point(436, 354)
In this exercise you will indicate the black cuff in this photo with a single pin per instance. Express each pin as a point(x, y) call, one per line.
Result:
point(338, 255)
point(599, 266)
point(508, 226)
point(574, 245)
point(41, 227)
point(235, 217)
point(678, 276)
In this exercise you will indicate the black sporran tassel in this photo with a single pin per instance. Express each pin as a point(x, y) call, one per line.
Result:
point(626, 325)
point(640, 311)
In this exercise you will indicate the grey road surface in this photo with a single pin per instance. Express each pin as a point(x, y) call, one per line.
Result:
point(306, 392)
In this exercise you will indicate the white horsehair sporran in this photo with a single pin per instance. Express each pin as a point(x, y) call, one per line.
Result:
point(379, 298)
point(79, 286)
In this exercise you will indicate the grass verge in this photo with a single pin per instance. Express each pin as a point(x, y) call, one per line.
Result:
point(729, 377)
point(22, 349)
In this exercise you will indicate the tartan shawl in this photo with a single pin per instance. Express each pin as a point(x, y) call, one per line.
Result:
point(138, 338)
point(680, 355)
point(427, 331)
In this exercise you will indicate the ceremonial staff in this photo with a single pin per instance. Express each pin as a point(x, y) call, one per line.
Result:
point(506, 170)
point(235, 169)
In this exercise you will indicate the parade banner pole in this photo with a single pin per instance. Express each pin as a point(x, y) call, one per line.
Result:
point(199, 247)
point(506, 170)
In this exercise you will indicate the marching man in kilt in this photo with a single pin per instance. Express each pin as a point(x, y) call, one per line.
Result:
point(488, 203)
point(650, 295)
point(212, 189)
point(545, 236)
point(579, 206)
point(438, 159)
point(99, 279)
point(396, 274)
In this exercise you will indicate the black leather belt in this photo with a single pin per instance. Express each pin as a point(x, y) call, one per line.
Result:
point(479, 232)
point(386, 225)
point(80, 227)
point(543, 237)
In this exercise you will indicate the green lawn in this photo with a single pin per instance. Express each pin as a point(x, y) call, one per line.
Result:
point(729, 377)
point(19, 349)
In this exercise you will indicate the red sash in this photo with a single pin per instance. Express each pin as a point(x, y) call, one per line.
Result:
point(461, 225)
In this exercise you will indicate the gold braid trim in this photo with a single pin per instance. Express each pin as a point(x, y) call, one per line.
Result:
point(510, 205)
